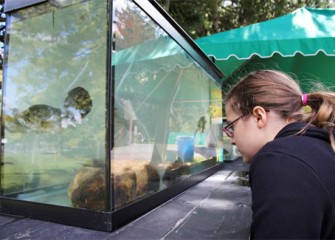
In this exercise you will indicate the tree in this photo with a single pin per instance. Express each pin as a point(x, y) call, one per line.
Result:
point(204, 17)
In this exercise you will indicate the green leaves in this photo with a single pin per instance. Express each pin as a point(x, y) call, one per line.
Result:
point(205, 17)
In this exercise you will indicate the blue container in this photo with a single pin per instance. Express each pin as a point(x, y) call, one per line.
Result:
point(185, 146)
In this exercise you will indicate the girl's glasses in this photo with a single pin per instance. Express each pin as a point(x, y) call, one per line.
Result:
point(228, 129)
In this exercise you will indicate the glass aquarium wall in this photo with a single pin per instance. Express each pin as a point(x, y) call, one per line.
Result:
point(54, 112)
point(167, 110)
point(109, 109)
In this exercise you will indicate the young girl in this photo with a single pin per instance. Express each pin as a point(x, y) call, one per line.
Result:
point(287, 136)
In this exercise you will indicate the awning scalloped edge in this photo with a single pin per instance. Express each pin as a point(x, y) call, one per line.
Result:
point(269, 56)
point(171, 69)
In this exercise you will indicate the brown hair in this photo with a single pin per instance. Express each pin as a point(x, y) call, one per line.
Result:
point(276, 91)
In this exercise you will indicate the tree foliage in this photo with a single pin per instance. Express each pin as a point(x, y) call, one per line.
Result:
point(204, 17)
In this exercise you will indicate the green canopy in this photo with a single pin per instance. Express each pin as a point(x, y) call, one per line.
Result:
point(152, 56)
point(302, 43)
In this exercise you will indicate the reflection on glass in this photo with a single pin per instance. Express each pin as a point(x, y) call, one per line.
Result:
point(168, 111)
point(55, 104)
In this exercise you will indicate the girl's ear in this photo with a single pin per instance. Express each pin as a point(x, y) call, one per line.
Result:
point(260, 116)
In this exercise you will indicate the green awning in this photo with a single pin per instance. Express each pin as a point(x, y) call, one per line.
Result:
point(306, 32)
point(153, 56)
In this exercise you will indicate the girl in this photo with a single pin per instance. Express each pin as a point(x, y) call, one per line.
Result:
point(291, 152)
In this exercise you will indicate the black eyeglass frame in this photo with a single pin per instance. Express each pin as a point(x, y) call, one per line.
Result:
point(228, 130)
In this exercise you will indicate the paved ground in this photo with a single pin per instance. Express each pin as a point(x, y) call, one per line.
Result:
point(217, 208)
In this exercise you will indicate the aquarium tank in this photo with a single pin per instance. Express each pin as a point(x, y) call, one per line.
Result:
point(109, 109)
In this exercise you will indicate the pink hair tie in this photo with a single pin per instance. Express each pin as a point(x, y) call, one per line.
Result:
point(304, 99)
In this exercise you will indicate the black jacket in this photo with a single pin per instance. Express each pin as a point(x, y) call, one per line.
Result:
point(292, 181)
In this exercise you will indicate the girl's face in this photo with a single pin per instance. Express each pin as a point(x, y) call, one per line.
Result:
point(247, 136)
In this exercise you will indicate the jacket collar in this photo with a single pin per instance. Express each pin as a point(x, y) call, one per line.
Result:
point(311, 131)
